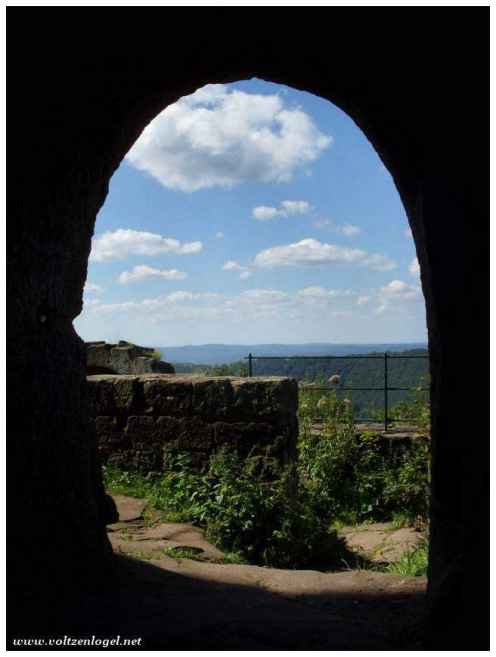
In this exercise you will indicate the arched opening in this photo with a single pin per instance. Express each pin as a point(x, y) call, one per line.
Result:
point(231, 178)
point(48, 367)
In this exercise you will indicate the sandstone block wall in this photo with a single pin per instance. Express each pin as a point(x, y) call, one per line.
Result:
point(123, 358)
point(140, 419)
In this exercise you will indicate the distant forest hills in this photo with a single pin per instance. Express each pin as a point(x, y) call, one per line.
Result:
point(224, 354)
point(406, 372)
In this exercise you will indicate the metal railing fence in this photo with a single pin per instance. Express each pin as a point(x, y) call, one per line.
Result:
point(386, 388)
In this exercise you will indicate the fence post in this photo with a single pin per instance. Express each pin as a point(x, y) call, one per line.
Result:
point(250, 365)
point(385, 391)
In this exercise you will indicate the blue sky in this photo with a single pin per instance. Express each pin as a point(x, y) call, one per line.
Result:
point(252, 212)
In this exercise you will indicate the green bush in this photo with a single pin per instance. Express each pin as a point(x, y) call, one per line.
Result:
point(268, 523)
point(352, 476)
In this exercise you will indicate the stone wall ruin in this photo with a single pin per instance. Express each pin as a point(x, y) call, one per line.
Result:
point(139, 420)
point(123, 358)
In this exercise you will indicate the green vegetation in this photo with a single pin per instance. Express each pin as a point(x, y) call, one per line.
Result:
point(288, 518)
point(183, 553)
point(412, 564)
point(357, 477)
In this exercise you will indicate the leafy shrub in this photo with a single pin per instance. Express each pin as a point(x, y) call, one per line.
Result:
point(354, 477)
point(268, 523)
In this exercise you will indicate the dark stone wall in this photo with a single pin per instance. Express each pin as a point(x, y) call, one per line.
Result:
point(82, 86)
point(140, 420)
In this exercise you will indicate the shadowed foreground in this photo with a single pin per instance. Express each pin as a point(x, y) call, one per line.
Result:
point(182, 604)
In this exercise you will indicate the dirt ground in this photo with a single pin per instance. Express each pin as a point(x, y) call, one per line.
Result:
point(167, 602)
point(204, 603)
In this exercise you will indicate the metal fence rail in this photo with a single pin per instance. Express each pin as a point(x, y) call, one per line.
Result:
point(385, 357)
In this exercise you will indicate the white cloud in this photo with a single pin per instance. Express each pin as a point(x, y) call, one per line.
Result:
point(313, 292)
point(317, 292)
point(311, 252)
point(285, 209)
point(264, 212)
point(191, 296)
point(264, 295)
point(414, 268)
point(233, 265)
point(219, 235)
point(217, 137)
point(397, 291)
point(183, 304)
point(295, 207)
point(349, 230)
point(143, 272)
point(122, 243)
point(92, 288)
point(379, 262)
point(400, 289)
point(272, 312)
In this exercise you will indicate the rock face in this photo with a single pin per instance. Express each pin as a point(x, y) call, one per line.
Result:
point(123, 358)
point(140, 419)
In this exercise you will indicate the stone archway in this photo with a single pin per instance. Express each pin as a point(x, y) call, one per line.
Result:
point(95, 105)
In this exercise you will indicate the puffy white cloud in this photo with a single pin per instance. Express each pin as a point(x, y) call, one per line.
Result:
point(219, 235)
point(311, 252)
point(233, 265)
point(414, 268)
point(362, 300)
point(285, 209)
point(397, 291)
point(143, 272)
point(264, 212)
point(92, 288)
point(400, 289)
point(217, 137)
point(122, 243)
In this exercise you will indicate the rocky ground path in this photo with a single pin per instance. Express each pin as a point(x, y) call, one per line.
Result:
point(205, 603)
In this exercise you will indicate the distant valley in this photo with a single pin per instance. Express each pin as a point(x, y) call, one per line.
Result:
point(220, 354)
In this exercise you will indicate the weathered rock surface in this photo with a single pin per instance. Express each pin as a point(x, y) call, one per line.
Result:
point(140, 419)
point(380, 542)
point(123, 358)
